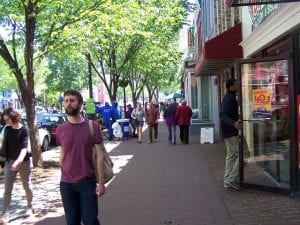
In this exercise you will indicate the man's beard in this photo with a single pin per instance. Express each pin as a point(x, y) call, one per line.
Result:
point(73, 111)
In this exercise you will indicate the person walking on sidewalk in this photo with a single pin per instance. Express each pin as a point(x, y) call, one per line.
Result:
point(17, 161)
point(131, 121)
point(78, 187)
point(229, 127)
point(183, 117)
point(138, 115)
point(153, 116)
point(169, 116)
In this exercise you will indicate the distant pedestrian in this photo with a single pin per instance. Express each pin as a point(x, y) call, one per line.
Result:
point(131, 121)
point(78, 187)
point(153, 116)
point(183, 117)
point(138, 116)
point(105, 113)
point(17, 161)
point(229, 127)
point(170, 120)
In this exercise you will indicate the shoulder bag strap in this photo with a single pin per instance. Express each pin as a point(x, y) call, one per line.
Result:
point(91, 129)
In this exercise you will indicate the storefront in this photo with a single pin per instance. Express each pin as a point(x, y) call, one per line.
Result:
point(269, 98)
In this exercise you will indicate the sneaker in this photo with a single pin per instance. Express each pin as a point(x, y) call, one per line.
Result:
point(29, 212)
point(156, 140)
point(149, 142)
point(232, 185)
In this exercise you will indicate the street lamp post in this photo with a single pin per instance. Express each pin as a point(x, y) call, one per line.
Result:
point(123, 84)
point(90, 75)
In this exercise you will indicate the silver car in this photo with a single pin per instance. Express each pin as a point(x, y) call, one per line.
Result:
point(44, 137)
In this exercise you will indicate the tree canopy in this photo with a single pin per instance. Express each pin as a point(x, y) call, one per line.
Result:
point(49, 41)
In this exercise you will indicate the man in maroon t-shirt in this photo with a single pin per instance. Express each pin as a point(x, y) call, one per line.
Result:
point(78, 186)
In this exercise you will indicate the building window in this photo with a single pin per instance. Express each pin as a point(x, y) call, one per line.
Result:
point(194, 97)
point(205, 97)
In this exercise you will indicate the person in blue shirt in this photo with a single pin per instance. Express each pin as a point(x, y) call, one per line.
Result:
point(116, 112)
point(230, 126)
point(106, 114)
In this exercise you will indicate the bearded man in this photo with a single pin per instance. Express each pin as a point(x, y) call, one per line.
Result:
point(78, 187)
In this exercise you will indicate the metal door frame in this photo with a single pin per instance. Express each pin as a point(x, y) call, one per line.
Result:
point(292, 115)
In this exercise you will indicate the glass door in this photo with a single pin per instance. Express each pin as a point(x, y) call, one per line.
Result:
point(265, 105)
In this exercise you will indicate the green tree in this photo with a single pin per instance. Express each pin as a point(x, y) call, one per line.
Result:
point(125, 30)
point(8, 81)
point(67, 71)
point(36, 28)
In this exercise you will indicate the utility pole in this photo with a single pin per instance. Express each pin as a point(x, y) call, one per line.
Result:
point(90, 75)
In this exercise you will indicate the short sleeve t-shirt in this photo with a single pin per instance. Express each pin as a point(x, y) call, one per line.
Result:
point(16, 140)
point(76, 143)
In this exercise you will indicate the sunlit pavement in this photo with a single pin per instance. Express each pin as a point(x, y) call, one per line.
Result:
point(159, 183)
point(47, 201)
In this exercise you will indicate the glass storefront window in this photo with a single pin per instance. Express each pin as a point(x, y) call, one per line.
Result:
point(205, 97)
point(194, 97)
point(265, 115)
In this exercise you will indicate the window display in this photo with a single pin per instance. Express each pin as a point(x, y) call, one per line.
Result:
point(265, 109)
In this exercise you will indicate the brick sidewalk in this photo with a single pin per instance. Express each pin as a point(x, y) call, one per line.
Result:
point(247, 207)
point(159, 183)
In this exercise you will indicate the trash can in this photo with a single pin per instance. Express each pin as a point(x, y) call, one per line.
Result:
point(124, 123)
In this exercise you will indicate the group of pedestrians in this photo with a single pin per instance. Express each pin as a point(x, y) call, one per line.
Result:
point(178, 115)
point(78, 185)
point(174, 115)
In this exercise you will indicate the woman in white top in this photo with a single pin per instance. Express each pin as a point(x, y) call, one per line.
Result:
point(138, 115)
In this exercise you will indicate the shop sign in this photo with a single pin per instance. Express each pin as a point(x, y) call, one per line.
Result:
point(262, 107)
point(234, 3)
point(259, 13)
point(191, 40)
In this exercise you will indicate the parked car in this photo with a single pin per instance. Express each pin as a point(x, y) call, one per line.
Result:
point(50, 121)
point(44, 136)
point(40, 109)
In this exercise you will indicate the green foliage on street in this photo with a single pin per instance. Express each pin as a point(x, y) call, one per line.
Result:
point(46, 44)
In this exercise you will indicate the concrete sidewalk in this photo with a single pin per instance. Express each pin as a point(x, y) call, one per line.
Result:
point(159, 183)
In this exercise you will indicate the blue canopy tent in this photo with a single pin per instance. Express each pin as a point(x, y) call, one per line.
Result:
point(173, 95)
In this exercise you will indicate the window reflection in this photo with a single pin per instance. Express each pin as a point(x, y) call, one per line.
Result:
point(265, 104)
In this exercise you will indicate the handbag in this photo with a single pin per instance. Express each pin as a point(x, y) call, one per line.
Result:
point(108, 163)
point(3, 144)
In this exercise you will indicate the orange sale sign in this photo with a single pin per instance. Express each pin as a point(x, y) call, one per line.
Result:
point(262, 99)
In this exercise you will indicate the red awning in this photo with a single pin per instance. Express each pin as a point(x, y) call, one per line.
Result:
point(220, 52)
point(255, 2)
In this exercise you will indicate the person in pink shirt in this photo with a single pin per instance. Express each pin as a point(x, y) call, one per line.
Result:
point(169, 116)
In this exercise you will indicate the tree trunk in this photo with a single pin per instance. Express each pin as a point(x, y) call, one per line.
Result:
point(36, 150)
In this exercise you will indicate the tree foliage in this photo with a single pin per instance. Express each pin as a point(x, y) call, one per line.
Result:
point(135, 39)
point(35, 29)
point(127, 40)
point(67, 71)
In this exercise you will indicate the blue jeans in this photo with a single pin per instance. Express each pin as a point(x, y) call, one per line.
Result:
point(172, 134)
point(80, 202)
